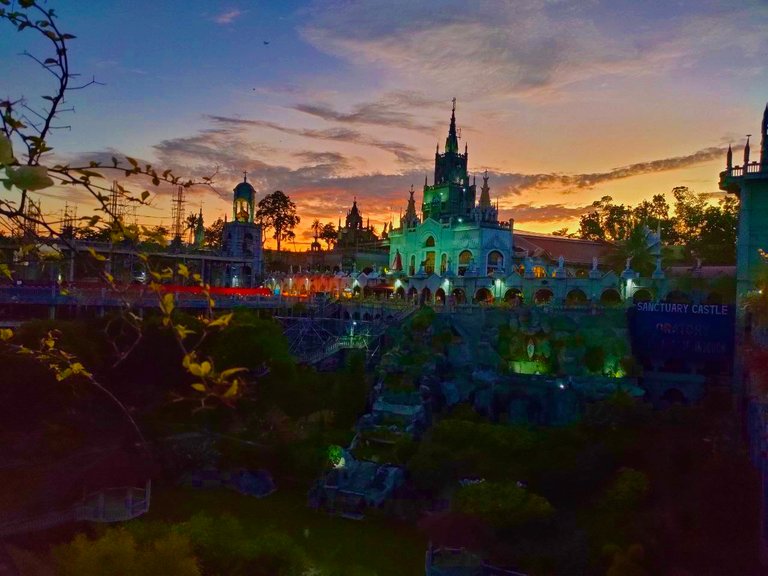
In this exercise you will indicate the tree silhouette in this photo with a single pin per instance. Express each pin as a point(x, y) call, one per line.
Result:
point(329, 234)
point(278, 212)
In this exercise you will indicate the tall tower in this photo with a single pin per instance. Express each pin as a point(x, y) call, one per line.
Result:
point(750, 183)
point(451, 195)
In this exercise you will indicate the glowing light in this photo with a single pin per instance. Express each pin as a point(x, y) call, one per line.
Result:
point(336, 456)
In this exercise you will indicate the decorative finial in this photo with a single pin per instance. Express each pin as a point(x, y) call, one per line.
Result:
point(746, 152)
point(245, 176)
point(454, 104)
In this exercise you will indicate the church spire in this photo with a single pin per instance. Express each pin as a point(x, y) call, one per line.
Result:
point(452, 142)
point(746, 153)
point(485, 193)
point(729, 158)
point(411, 219)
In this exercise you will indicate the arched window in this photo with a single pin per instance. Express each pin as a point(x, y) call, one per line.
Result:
point(430, 243)
point(465, 257)
point(412, 266)
point(495, 262)
point(539, 272)
point(443, 263)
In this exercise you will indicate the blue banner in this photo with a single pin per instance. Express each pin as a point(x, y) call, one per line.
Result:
point(693, 332)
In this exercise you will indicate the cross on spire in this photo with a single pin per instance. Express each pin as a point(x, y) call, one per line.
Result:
point(245, 176)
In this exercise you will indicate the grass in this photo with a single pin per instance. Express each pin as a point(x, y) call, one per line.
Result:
point(386, 546)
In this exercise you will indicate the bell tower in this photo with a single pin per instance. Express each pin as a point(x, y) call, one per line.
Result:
point(750, 183)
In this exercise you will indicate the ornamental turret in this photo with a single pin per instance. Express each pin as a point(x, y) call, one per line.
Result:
point(411, 220)
point(243, 202)
point(750, 183)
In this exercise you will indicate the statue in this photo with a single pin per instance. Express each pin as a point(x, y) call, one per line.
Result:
point(629, 263)
point(397, 265)
point(560, 262)
point(594, 263)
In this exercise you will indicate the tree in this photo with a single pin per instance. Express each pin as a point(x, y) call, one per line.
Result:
point(278, 211)
point(214, 235)
point(190, 223)
point(117, 552)
point(634, 247)
point(329, 235)
point(716, 241)
point(502, 504)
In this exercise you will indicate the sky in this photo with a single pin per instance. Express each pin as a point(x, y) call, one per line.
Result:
point(562, 102)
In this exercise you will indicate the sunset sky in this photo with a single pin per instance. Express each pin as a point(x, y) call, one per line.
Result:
point(561, 101)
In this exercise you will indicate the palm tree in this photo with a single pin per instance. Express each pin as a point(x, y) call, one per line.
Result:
point(635, 248)
point(316, 227)
point(190, 223)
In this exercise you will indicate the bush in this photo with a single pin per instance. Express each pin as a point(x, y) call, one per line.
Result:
point(117, 552)
point(502, 504)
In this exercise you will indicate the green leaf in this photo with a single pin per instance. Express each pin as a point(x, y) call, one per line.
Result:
point(6, 150)
point(30, 177)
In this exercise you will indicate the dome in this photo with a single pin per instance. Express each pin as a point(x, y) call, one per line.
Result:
point(244, 190)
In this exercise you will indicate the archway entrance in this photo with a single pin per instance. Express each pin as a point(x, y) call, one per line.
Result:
point(610, 297)
point(426, 296)
point(459, 296)
point(483, 296)
point(576, 297)
point(514, 296)
point(440, 296)
point(543, 296)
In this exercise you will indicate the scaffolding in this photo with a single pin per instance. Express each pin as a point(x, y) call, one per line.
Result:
point(177, 215)
point(68, 218)
point(116, 207)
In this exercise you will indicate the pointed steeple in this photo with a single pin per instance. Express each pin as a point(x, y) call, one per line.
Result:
point(485, 193)
point(425, 181)
point(746, 153)
point(452, 142)
point(729, 158)
point(411, 219)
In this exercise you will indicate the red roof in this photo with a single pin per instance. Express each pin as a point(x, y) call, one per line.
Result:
point(573, 250)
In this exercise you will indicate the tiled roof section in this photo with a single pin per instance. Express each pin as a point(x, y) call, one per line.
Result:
point(573, 250)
